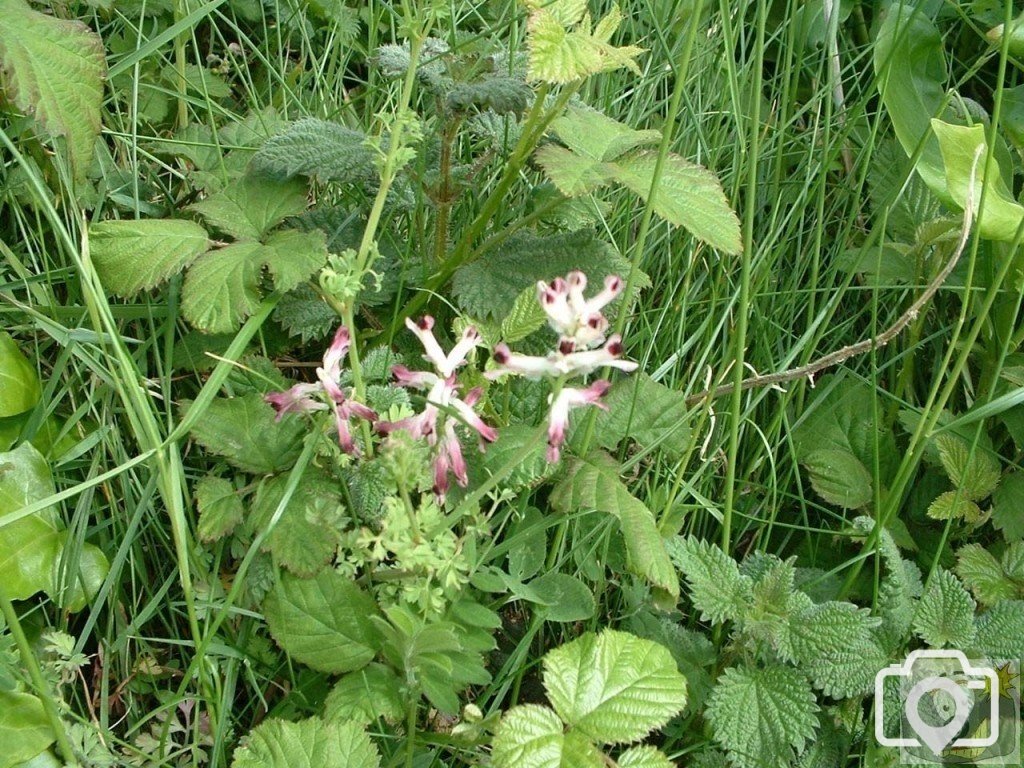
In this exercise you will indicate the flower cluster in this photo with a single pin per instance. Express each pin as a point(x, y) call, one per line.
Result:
point(444, 407)
point(302, 398)
point(583, 347)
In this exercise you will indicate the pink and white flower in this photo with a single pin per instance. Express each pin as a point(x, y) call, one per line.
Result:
point(302, 398)
point(565, 401)
point(444, 407)
point(577, 320)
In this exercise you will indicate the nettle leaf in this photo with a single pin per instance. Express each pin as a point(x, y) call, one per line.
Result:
point(304, 313)
point(762, 716)
point(251, 206)
point(501, 95)
point(53, 70)
point(613, 687)
point(945, 613)
point(717, 588)
point(313, 147)
point(310, 743)
point(305, 538)
point(324, 622)
point(531, 736)
point(25, 730)
point(833, 643)
point(18, 379)
point(1008, 506)
point(594, 484)
point(774, 606)
point(373, 692)
point(641, 409)
point(900, 588)
point(220, 508)
point(972, 470)
point(488, 287)
point(243, 431)
point(984, 575)
point(1000, 631)
point(133, 256)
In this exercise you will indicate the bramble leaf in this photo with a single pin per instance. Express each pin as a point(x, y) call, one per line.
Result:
point(305, 538)
point(531, 736)
point(251, 206)
point(373, 692)
point(243, 431)
point(644, 757)
point(133, 256)
point(310, 743)
point(613, 687)
point(53, 70)
point(717, 588)
point(762, 716)
point(945, 613)
point(324, 622)
point(954, 505)
point(984, 575)
point(220, 508)
point(975, 472)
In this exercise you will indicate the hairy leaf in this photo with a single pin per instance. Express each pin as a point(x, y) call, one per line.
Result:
point(613, 687)
point(762, 716)
point(945, 614)
point(973, 470)
point(834, 645)
point(220, 508)
point(324, 622)
point(531, 736)
point(984, 575)
point(954, 505)
point(643, 410)
point(133, 256)
point(251, 206)
point(900, 588)
point(499, 94)
point(313, 147)
point(310, 743)
point(373, 692)
point(644, 757)
point(305, 538)
point(1000, 631)
point(243, 431)
point(717, 588)
point(53, 70)
point(1008, 506)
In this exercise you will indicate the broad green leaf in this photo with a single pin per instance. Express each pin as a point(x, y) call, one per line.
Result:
point(313, 147)
point(223, 287)
point(73, 590)
point(717, 588)
point(833, 643)
point(594, 484)
point(310, 743)
point(945, 614)
point(1008, 506)
point(839, 477)
point(613, 687)
point(643, 410)
point(571, 173)
point(29, 546)
point(53, 70)
point(18, 380)
point(305, 538)
point(25, 730)
point(373, 692)
point(251, 206)
point(1000, 631)
point(762, 716)
point(593, 135)
point(984, 575)
point(775, 603)
point(954, 505)
point(688, 195)
point(564, 598)
point(323, 622)
point(531, 736)
point(132, 256)
point(958, 144)
point(243, 431)
point(644, 757)
point(220, 508)
point(513, 441)
point(525, 317)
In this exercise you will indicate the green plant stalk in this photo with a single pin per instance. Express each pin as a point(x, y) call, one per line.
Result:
point(28, 658)
point(181, 83)
point(444, 192)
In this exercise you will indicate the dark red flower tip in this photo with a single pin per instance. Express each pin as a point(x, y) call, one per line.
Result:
point(566, 346)
point(425, 323)
point(502, 354)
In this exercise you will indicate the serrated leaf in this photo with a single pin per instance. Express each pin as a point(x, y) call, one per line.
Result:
point(762, 716)
point(945, 613)
point(613, 687)
point(18, 379)
point(25, 730)
point(310, 743)
point(305, 538)
point(243, 431)
point(312, 147)
point(594, 484)
point(562, 51)
point(688, 196)
point(591, 134)
point(305, 314)
point(1008, 506)
point(571, 173)
point(984, 575)
point(53, 70)
point(223, 287)
point(899, 590)
point(373, 692)
point(975, 472)
point(133, 256)
point(717, 588)
point(531, 736)
point(220, 508)
point(323, 622)
point(525, 317)
point(644, 757)
point(839, 477)
point(954, 505)
point(501, 95)
point(833, 644)
point(513, 442)
point(488, 287)
point(564, 598)
point(251, 206)
point(1000, 631)
point(646, 411)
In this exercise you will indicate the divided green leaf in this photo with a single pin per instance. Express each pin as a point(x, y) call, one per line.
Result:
point(132, 256)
